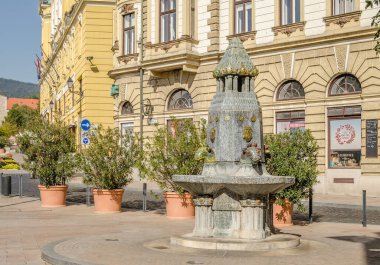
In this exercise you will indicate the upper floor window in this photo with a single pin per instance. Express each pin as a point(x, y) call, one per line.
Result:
point(181, 99)
point(126, 108)
point(129, 33)
point(290, 11)
point(167, 20)
point(345, 84)
point(243, 16)
point(290, 90)
point(192, 17)
point(343, 6)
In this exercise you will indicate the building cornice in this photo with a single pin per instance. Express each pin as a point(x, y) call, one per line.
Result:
point(268, 49)
point(78, 6)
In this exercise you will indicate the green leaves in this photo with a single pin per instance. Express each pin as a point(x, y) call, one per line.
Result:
point(50, 151)
point(171, 152)
point(293, 154)
point(375, 21)
point(109, 160)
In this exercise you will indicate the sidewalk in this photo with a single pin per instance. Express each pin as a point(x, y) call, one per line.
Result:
point(344, 201)
point(134, 237)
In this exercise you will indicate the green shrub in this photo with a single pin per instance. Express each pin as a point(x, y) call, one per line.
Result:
point(50, 149)
point(10, 166)
point(168, 154)
point(109, 160)
point(293, 153)
point(3, 141)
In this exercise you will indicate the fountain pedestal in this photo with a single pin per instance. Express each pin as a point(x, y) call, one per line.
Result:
point(231, 196)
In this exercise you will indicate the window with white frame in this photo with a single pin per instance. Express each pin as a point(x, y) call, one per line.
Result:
point(243, 16)
point(126, 129)
point(167, 20)
point(291, 89)
point(343, 6)
point(180, 99)
point(290, 11)
point(290, 120)
point(129, 33)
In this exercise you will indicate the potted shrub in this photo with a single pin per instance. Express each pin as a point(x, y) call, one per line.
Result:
point(171, 151)
point(108, 163)
point(292, 153)
point(50, 149)
point(3, 143)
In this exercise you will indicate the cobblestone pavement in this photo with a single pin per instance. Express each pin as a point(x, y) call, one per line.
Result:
point(339, 215)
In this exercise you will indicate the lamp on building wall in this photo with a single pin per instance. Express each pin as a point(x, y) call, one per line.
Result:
point(148, 108)
point(70, 83)
point(51, 104)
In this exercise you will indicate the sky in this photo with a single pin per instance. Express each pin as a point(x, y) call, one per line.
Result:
point(20, 39)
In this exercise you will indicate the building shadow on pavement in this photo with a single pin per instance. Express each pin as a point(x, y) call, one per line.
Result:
point(371, 245)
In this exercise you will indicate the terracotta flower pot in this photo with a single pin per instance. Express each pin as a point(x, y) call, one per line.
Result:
point(54, 196)
point(282, 215)
point(179, 207)
point(108, 201)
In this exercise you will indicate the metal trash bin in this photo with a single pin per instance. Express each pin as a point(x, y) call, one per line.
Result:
point(6, 185)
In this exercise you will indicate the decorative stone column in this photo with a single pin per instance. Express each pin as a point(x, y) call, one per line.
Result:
point(252, 219)
point(203, 217)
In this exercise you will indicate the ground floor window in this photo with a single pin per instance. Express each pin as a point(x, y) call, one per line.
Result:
point(290, 120)
point(126, 129)
point(344, 137)
point(176, 125)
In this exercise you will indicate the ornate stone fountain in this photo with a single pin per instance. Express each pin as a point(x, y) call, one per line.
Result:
point(231, 196)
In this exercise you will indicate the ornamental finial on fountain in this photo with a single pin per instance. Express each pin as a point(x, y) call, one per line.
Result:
point(235, 61)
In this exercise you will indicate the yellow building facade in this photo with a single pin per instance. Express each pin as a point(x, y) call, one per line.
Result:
point(317, 70)
point(76, 56)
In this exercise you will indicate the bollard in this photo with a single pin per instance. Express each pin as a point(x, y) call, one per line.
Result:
point(364, 222)
point(311, 205)
point(6, 185)
point(144, 196)
point(88, 196)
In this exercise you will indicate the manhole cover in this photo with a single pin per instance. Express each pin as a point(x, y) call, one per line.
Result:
point(194, 262)
point(161, 247)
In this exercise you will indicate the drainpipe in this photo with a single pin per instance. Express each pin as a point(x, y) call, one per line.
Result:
point(142, 94)
point(141, 75)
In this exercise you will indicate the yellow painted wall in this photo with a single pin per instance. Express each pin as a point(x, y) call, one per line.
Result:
point(87, 32)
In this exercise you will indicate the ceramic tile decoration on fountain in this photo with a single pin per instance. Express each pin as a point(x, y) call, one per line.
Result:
point(231, 196)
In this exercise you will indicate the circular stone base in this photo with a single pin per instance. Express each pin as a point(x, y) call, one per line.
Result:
point(279, 241)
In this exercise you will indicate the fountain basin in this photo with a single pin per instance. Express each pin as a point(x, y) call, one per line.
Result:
point(242, 185)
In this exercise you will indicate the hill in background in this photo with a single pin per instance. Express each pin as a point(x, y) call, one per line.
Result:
point(16, 89)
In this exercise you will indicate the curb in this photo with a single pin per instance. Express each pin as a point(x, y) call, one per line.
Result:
point(340, 205)
point(49, 255)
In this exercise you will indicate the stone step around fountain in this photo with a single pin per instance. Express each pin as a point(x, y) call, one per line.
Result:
point(279, 241)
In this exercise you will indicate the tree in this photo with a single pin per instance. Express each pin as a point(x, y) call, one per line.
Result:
point(20, 115)
point(109, 160)
point(293, 153)
point(50, 151)
point(171, 151)
point(375, 21)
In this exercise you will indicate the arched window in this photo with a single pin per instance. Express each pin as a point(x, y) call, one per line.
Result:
point(290, 90)
point(345, 84)
point(181, 99)
point(126, 108)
